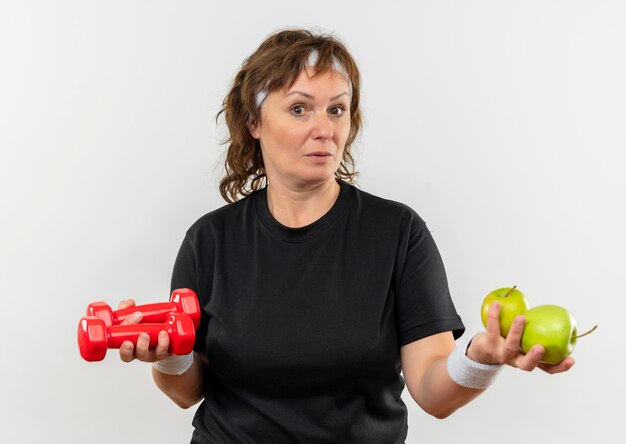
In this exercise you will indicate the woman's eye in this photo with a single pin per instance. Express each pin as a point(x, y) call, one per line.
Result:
point(298, 110)
point(337, 111)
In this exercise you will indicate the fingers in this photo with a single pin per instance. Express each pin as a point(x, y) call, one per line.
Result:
point(126, 303)
point(161, 351)
point(531, 359)
point(562, 366)
point(142, 350)
point(493, 320)
point(145, 354)
point(127, 351)
point(513, 339)
point(486, 348)
point(493, 347)
point(134, 318)
point(507, 350)
point(512, 351)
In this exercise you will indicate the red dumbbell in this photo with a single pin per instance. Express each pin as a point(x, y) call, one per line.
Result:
point(94, 336)
point(183, 300)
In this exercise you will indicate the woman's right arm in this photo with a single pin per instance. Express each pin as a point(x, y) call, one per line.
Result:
point(186, 389)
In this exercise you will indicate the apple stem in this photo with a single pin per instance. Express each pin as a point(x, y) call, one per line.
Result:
point(586, 333)
point(507, 293)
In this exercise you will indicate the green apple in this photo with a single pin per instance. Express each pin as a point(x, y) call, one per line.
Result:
point(553, 327)
point(512, 303)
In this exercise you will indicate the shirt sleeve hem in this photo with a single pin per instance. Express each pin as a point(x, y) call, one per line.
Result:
point(421, 331)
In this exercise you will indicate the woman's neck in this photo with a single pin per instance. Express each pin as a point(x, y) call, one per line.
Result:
point(297, 208)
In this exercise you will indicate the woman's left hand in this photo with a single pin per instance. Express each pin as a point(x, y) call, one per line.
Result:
point(491, 348)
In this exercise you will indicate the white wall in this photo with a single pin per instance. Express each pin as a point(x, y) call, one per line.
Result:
point(500, 122)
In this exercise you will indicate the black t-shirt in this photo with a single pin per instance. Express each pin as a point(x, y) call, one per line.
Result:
point(303, 326)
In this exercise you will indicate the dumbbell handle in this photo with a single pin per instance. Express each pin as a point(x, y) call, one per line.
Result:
point(118, 334)
point(183, 300)
point(151, 313)
point(180, 329)
point(94, 337)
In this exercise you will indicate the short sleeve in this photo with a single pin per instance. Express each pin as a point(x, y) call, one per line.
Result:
point(185, 275)
point(423, 306)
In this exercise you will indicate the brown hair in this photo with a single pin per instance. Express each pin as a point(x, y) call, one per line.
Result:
point(274, 65)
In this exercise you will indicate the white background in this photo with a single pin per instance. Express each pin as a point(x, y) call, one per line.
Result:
point(502, 123)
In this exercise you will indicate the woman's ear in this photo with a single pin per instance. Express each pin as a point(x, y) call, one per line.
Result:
point(254, 130)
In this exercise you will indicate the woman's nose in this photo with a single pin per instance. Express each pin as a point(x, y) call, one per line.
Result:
point(322, 127)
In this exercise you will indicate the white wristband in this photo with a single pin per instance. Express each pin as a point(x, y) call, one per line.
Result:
point(174, 365)
point(468, 373)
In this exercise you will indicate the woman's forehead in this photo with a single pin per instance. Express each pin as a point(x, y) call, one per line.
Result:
point(310, 78)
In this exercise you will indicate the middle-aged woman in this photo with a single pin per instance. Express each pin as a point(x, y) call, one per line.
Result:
point(317, 297)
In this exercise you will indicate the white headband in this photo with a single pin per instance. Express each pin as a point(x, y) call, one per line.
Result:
point(312, 60)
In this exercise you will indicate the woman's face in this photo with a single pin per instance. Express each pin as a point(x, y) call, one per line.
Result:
point(303, 130)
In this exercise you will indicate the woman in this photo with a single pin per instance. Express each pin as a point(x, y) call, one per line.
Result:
point(315, 294)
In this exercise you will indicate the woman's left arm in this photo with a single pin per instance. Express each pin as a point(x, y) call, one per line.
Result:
point(425, 370)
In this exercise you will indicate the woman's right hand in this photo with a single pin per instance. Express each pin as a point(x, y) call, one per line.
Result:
point(141, 351)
